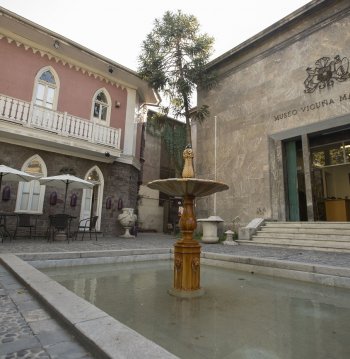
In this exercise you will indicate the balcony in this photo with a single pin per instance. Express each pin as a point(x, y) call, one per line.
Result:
point(56, 129)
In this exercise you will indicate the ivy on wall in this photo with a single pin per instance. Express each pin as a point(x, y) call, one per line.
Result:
point(173, 135)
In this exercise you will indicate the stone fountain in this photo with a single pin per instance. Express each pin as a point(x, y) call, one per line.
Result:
point(187, 250)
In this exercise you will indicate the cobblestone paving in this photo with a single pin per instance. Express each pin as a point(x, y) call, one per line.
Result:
point(27, 330)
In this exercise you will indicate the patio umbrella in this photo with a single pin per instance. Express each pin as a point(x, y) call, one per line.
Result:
point(13, 175)
point(65, 181)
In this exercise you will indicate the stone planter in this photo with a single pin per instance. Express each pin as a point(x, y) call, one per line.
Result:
point(210, 229)
point(127, 219)
point(229, 238)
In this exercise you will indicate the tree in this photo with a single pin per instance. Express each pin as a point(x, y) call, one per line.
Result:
point(173, 60)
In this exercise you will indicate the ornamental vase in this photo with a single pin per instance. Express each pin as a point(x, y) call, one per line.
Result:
point(127, 219)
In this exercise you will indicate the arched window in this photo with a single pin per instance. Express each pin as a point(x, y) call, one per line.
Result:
point(30, 195)
point(101, 107)
point(46, 89)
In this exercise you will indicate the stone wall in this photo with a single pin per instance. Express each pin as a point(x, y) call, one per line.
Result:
point(260, 100)
point(120, 181)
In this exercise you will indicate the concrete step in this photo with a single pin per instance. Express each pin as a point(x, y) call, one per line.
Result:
point(330, 236)
point(302, 241)
point(297, 244)
point(306, 236)
point(321, 231)
point(335, 225)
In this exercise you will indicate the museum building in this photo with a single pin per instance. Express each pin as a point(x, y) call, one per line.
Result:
point(279, 126)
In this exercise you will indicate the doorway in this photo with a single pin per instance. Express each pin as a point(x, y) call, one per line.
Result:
point(330, 174)
point(295, 180)
point(92, 198)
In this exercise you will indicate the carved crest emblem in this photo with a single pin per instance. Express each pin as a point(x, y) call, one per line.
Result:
point(325, 72)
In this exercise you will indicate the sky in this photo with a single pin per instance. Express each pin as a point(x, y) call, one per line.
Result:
point(116, 29)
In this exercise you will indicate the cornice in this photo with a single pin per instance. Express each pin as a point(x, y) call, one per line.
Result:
point(234, 55)
point(58, 58)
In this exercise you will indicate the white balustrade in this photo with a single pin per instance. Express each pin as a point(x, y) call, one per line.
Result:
point(64, 124)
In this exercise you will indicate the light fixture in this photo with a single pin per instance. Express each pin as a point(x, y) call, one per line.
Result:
point(117, 104)
point(56, 44)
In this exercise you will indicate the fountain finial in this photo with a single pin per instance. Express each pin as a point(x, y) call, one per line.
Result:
point(188, 155)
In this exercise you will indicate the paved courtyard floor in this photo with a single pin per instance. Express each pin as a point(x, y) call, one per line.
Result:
point(28, 330)
point(156, 240)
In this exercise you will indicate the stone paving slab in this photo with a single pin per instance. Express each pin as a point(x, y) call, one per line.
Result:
point(104, 334)
point(27, 330)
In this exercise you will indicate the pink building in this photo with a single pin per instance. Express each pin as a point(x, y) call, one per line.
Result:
point(66, 109)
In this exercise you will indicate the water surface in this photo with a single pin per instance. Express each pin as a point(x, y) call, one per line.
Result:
point(242, 315)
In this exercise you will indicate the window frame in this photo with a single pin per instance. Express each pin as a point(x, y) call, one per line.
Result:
point(21, 185)
point(108, 105)
point(46, 85)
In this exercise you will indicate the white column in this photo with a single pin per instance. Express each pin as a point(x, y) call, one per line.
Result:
point(130, 125)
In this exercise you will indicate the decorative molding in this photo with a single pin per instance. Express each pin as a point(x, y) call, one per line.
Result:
point(64, 62)
point(282, 45)
point(326, 72)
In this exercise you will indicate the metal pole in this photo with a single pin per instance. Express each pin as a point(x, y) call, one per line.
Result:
point(215, 143)
point(65, 197)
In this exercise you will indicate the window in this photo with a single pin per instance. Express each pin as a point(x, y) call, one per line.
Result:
point(330, 155)
point(46, 88)
point(30, 196)
point(101, 107)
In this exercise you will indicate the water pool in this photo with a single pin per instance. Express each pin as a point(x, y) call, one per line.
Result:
point(242, 315)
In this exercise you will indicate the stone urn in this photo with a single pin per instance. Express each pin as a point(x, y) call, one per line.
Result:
point(127, 219)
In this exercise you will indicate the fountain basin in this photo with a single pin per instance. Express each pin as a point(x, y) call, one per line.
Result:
point(195, 187)
point(65, 303)
point(227, 322)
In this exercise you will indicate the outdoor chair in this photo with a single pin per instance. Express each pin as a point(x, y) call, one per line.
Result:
point(24, 220)
point(87, 225)
point(4, 232)
point(59, 224)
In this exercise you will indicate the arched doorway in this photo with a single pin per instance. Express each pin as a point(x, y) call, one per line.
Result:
point(92, 198)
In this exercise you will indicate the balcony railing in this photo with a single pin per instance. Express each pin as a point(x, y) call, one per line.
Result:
point(61, 123)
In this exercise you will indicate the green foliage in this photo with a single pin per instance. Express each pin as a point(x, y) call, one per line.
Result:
point(173, 60)
point(173, 134)
point(197, 236)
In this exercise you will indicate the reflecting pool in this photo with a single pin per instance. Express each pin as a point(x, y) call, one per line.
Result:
point(242, 315)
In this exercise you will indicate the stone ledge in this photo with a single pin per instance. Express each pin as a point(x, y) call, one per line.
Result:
point(90, 254)
point(51, 263)
point(104, 335)
point(325, 275)
point(273, 263)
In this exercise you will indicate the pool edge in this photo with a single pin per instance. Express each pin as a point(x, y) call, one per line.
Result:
point(112, 339)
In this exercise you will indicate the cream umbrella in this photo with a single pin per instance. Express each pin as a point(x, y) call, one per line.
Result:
point(65, 181)
point(13, 175)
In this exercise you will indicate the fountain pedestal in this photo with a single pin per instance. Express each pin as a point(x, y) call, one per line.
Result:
point(187, 251)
